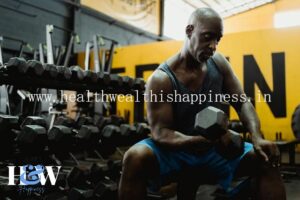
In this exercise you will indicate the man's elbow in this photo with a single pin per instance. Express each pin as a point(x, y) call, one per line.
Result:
point(241, 106)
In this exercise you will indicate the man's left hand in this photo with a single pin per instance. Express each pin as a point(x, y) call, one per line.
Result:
point(267, 150)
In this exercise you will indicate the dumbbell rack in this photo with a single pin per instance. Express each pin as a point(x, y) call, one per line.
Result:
point(30, 82)
point(25, 82)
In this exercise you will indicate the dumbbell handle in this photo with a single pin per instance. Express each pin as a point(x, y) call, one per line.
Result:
point(230, 145)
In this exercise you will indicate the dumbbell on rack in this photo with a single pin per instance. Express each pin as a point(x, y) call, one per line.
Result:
point(90, 76)
point(124, 135)
point(7, 123)
point(103, 78)
point(32, 139)
point(86, 135)
point(50, 71)
point(139, 84)
point(18, 65)
point(86, 179)
point(64, 73)
point(36, 68)
point(74, 73)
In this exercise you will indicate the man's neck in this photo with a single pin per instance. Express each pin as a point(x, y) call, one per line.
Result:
point(188, 61)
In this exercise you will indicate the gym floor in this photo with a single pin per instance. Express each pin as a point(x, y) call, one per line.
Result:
point(292, 190)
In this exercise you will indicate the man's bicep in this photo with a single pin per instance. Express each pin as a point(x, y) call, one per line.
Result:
point(159, 111)
point(160, 115)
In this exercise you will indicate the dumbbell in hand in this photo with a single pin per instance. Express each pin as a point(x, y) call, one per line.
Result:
point(212, 124)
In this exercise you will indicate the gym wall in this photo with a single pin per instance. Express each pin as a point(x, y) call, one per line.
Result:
point(142, 14)
point(266, 62)
point(26, 20)
point(259, 18)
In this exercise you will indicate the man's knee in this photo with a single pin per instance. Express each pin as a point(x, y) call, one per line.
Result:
point(254, 165)
point(137, 164)
point(140, 159)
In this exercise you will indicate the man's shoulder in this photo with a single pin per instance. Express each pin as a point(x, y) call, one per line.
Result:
point(220, 61)
point(159, 80)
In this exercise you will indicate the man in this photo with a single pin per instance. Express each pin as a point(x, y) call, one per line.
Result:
point(173, 148)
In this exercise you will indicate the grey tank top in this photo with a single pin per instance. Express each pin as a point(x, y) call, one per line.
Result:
point(184, 112)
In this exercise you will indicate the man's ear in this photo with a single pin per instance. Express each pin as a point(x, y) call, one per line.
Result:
point(188, 30)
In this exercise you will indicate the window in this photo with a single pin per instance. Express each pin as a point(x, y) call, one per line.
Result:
point(287, 19)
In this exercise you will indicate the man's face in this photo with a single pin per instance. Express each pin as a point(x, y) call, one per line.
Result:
point(204, 38)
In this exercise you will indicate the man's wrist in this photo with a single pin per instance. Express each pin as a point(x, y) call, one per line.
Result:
point(256, 137)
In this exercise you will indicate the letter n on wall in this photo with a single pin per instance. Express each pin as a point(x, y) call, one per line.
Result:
point(253, 75)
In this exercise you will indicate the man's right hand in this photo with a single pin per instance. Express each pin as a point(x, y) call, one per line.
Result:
point(200, 146)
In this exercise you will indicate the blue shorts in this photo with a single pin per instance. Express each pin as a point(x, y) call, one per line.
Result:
point(172, 162)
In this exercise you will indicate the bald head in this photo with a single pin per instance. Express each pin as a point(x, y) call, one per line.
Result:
point(202, 14)
point(203, 33)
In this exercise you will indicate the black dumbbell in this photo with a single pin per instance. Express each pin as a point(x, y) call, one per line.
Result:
point(128, 82)
point(50, 71)
point(61, 139)
point(65, 121)
point(7, 123)
point(32, 139)
point(80, 194)
point(90, 76)
point(60, 105)
point(127, 130)
point(128, 135)
point(115, 168)
point(34, 120)
point(84, 120)
point(110, 136)
point(57, 195)
point(35, 67)
point(77, 73)
point(78, 176)
point(33, 135)
point(107, 168)
point(139, 84)
point(17, 65)
point(98, 171)
point(64, 73)
point(102, 121)
point(115, 81)
point(87, 137)
point(111, 132)
point(135, 133)
point(106, 189)
point(117, 120)
point(237, 126)
point(91, 182)
point(62, 142)
point(103, 78)
point(212, 124)
point(143, 130)
point(87, 175)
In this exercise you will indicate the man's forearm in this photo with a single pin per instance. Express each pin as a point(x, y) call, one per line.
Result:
point(250, 119)
point(176, 140)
